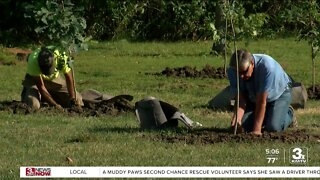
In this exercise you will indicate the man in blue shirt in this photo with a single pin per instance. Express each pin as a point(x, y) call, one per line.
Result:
point(264, 95)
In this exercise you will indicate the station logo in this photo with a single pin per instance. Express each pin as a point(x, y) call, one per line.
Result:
point(30, 171)
point(298, 155)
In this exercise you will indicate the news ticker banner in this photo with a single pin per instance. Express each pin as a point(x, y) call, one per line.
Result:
point(171, 172)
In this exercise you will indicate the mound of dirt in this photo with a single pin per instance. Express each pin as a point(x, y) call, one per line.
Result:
point(7, 63)
point(207, 136)
point(104, 107)
point(21, 54)
point(89, 109)
point(314, 95)
point(187, 71)
point(15, 107)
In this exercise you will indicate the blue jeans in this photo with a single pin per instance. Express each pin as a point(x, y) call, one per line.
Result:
point(278, 115)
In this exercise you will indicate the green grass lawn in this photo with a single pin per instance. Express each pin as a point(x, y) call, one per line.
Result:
point(46, 139)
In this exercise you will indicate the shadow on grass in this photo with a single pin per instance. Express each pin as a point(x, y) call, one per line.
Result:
point(115, 129)
point(176, 130)
point(82, 138)
point(207, 107)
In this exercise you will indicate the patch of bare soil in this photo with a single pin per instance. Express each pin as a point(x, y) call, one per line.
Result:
point(9, 63)
point(89, 109)
point(207, 136)
point(21, 54)
point(15, 107)
point(187, 71)
point(314, 95)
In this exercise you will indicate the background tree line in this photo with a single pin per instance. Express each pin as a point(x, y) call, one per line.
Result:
point(139, 20)
point(70, 23)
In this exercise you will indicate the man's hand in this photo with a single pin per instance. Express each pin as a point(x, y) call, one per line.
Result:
point(72, 102)
point(257, 133)
point(75, 106)
point(59, 107)
point(233, 122)
point(239, 128)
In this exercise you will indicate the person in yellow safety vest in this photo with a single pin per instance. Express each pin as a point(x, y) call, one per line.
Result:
point(43, 82)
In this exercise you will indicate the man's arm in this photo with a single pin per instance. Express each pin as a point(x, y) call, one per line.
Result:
point(241, 109)
point(45, 95)
point(70, 85)
point(259, 112)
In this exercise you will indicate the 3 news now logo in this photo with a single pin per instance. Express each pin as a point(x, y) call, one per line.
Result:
point(38, 171)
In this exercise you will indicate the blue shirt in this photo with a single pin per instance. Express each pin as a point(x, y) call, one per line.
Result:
point(268, 76)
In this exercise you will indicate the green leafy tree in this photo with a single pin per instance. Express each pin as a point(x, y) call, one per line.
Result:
point(308, 14)
point(245, 26)
point(58, 22)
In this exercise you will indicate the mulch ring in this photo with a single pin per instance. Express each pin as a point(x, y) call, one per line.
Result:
point(89, 109)
point(187, 71)
point(207, 136)
point(315, 94)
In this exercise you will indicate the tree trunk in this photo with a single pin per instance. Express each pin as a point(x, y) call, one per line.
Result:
point(219, 46)
point(225, 47)
point(313, 56)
